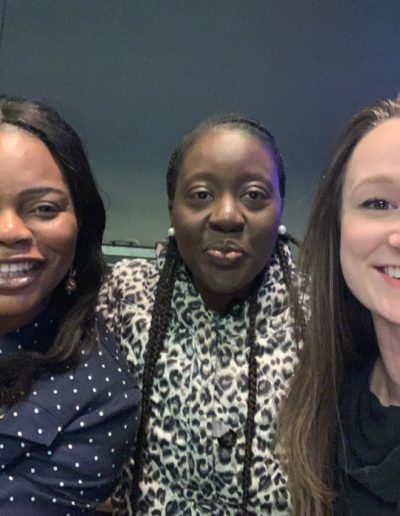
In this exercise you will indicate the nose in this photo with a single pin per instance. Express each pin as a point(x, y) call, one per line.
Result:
point(226, 215)
point(13, 230)
point(393, 229)
point(394, 238)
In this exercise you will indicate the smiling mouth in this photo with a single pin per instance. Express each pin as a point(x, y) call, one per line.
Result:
point(393, 272)
point(15, 275)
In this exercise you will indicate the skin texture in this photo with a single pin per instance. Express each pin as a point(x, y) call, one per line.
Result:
point(226, 212)
point(370, 245)
point(38, 227)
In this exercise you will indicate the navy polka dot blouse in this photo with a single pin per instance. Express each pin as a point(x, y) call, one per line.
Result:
point(62, 448)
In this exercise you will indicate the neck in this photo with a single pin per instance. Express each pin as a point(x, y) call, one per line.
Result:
point(385, 377)
point(222, 302)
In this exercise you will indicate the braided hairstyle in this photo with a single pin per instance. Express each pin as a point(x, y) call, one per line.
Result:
point(162, 312)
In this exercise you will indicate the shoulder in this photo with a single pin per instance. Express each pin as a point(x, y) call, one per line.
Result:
point(128, 292)
point(97, 402)
point(107, 367)
point(130, 275)
point(77, 428)
point(101, 379)
point(277, 337)
point(132, 278)
point(126, 303)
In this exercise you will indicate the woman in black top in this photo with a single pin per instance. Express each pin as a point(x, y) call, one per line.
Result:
point(341, 423)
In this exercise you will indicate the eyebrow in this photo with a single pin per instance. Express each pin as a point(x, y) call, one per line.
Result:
point(42, 191)
point(381, 178)
point(245, 177)
point(378, 179)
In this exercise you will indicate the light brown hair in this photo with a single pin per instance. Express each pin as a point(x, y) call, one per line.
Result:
point(337, 332)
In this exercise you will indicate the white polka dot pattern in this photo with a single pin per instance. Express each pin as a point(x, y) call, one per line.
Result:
point(57, 447)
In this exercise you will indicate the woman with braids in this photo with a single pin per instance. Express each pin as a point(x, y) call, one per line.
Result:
point(341, 423)
point(68, 406)
point(207, 329)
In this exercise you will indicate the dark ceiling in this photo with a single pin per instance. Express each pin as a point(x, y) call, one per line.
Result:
point(133, 76)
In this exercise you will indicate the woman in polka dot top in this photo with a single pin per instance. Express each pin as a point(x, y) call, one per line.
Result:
point(67, 401)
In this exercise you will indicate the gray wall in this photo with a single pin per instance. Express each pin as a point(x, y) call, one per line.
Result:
point(133, 76)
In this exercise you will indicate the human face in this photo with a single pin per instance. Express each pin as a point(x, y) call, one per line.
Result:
point(226, 211)
point(38, 227)
point(370, 222)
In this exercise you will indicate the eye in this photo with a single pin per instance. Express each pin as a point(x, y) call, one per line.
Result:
point(200, 195)
point(254, 195)
point(45, 210)
point(254, 198)
point(377, 204)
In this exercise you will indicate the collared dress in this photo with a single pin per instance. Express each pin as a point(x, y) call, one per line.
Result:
point(61, 449)
point(194, 459)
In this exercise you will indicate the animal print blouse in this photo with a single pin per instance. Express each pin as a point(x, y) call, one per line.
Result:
point(194, 460)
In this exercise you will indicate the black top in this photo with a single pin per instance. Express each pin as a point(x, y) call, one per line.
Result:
point(61, 449)
point(368, 458)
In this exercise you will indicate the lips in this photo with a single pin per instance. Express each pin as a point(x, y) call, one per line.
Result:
point(19, 273)
point(226, 252)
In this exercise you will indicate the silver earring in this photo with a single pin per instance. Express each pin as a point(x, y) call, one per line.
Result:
point(71, 284)
point(171, 232)
point(282, 229)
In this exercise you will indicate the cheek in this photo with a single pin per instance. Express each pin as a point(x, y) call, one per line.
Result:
point(349, 240)
point(264, 240)
point(358, 238)
point(265, 227)
point(357, 243)
point(59, 240)
point(187, 242)
point(187, 227)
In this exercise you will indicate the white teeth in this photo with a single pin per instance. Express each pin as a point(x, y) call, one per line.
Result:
point(16, 267)
point(393, 272)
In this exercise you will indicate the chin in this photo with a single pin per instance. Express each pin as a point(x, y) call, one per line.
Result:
point(390, 316)
point(20, 308)
point(227, 289)
point(393, 319)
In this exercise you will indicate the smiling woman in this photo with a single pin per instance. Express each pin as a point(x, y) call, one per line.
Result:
point(343, 441)
point(38, 227)
point(66, 398)
point(209, 332)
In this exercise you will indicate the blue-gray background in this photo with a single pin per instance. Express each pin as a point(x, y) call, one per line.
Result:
point(133, 76)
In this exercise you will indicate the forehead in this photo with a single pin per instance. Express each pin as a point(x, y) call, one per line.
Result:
point(232, 147)
point(26, 159)
point(376, 154)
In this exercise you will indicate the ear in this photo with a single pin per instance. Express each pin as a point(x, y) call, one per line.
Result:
point(171, 211)
point(281, 210)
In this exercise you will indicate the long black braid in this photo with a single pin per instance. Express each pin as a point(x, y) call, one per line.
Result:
point(160, 321)
point(252, 366)
point(251, 398)
point(162, 312)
